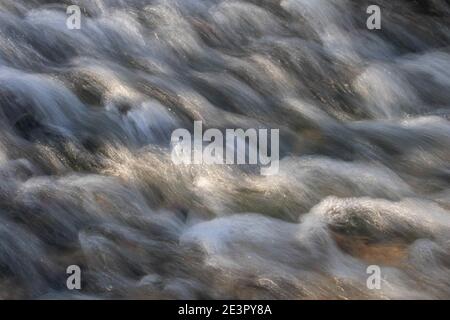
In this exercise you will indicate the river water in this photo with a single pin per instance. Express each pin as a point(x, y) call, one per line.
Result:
point(86, 176)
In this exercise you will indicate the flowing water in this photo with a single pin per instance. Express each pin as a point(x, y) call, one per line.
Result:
point(86, 176)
